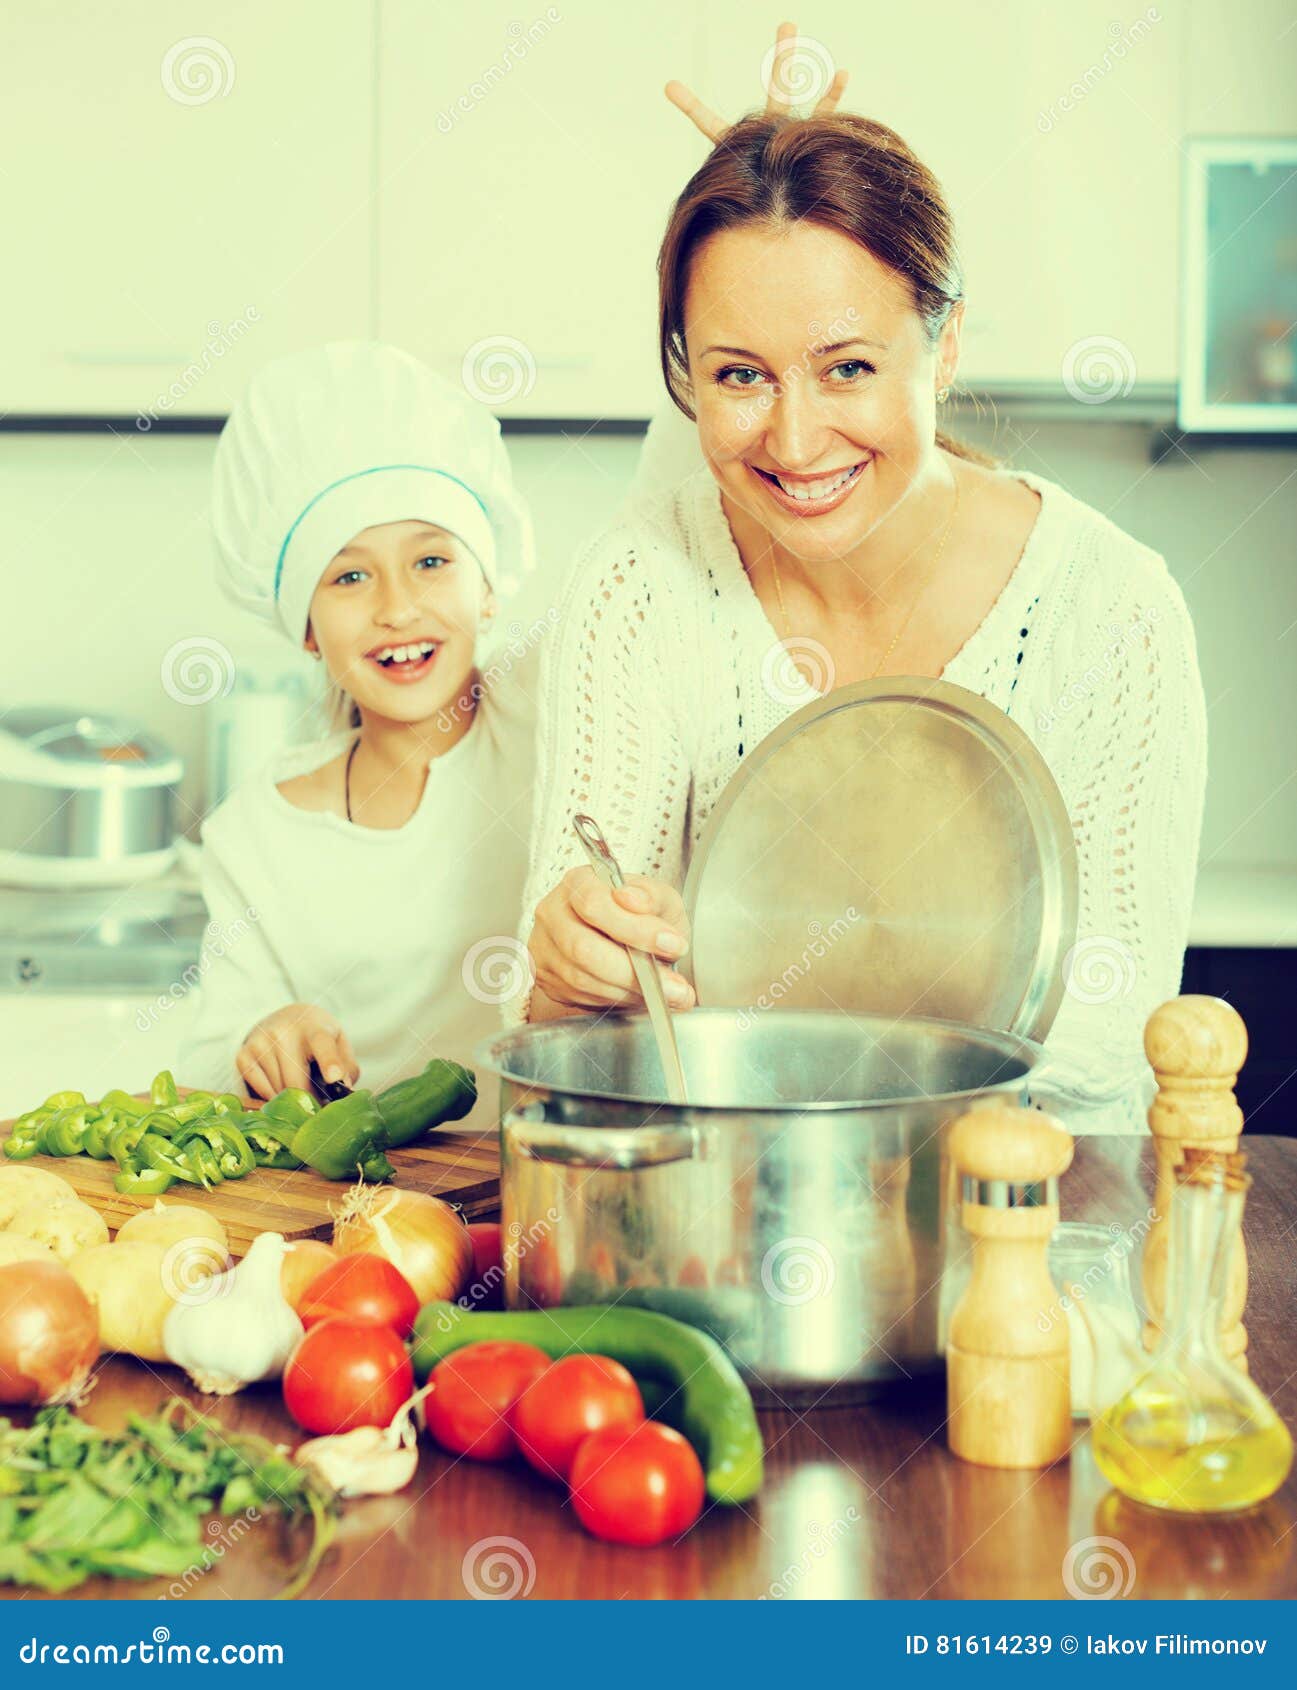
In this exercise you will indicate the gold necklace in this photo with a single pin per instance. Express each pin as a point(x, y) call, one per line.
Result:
point(905, 622)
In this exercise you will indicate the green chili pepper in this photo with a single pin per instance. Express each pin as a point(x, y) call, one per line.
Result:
point(230, 1150)
point(292, 1105)
point(142, 1182)
point(163, 1093)
point(341, 1137)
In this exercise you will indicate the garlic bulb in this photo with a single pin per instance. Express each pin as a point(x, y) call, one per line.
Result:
point(235, 1328)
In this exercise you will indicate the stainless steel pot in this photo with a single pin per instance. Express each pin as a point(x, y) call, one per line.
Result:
point(801, 1207)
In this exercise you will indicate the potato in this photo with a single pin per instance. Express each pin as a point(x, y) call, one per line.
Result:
point(21, 1184)
point(67, 1225)
point(15, 1248)
point(173, 1223)
point(127, 1283)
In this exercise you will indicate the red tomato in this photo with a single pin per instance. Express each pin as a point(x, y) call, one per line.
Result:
point(486, 1288)
point(361, 1287)
point(640, 1486)
point(473, 1392)
point(571, 1399)
point(347, 1373)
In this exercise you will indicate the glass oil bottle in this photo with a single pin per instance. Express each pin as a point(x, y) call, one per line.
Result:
point(1193, 1434)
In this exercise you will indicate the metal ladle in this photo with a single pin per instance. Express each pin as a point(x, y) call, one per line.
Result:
point(605, 865)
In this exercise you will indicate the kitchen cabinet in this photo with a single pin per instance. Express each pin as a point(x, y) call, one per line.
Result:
point(179, 206)
point(1054, 132)
point(527, 161)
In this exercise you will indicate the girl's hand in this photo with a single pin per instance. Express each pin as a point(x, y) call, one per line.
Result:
point(582, 926)
point(713, 127)
point(278, 1051)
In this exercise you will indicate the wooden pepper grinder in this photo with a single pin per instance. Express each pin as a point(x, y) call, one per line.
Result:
point(1195, 1046)
point(1008, 1365)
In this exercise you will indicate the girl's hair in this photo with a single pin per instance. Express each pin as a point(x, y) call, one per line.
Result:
point(841, 172)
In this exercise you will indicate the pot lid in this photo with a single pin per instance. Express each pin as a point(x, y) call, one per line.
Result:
point(897, 847)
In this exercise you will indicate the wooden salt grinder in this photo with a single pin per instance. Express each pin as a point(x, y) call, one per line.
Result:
point(1008, 1365)
point(1195, 1046)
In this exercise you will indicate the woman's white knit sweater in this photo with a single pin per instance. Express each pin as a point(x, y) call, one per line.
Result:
point(664, 672)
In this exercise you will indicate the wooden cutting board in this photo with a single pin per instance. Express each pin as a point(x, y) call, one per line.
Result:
point(462, 1168)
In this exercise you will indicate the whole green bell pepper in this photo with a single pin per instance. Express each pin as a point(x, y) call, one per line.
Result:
point(444, 1091)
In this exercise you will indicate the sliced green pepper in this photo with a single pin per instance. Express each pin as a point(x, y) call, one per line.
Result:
point(341, 1137)
point(95, 1139)
point(123, 1141)
point(163, 1092)
point(270, 1140)
point(164, 1157)
point(142, 1182)
point(63, 1133)
point(230, 1150)
point(21, 1144)
point(193, 1107)
point(64, 1100)
point(226, 1103)
point(123, 1103)
point(292, 1105)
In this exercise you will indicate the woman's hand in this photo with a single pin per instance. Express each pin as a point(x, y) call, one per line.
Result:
point(278, 1051)
point(581, 928)
point(713, 127)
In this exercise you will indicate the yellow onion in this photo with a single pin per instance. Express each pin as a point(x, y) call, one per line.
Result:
point(305, 1260)
point(423, 1238)
point(49, 1336)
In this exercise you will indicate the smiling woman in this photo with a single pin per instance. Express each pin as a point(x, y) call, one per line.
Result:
point(820, 529)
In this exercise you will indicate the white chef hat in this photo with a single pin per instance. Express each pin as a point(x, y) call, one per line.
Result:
point(346, 436)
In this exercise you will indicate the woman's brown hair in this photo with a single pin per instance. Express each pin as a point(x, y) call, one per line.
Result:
point(841, 172)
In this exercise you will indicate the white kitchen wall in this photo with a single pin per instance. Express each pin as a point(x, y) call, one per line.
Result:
point(106, 563)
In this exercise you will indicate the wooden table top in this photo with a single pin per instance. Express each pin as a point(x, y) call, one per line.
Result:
point(858, 1502)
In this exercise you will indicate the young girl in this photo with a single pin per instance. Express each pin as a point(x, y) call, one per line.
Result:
point(365, 507)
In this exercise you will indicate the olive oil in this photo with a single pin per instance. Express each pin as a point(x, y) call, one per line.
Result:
point(1193, 1433)
point(1159, 1449)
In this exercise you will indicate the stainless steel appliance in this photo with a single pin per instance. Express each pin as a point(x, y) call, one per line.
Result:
point(84, 800)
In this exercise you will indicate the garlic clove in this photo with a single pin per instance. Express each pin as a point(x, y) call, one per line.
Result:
point(363, 1462)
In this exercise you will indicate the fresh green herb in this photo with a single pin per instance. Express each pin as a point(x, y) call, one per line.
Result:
point(76, 1501)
